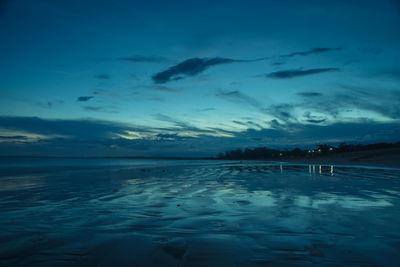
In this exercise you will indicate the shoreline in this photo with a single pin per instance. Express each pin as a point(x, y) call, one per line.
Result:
point(380, 158)
point(388, 157)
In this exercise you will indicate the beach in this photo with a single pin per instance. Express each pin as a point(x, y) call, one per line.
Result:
point(198, 213)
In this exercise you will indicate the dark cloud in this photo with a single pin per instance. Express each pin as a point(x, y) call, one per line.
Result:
point(274, 124)
point(145, 59)
point(239, 97)
point(84, 98)
point(316, 121)
point(317, 50)
point(288, 74)
point(313, 118)
point(277, 63)
point(309, 94)
point(103, 76)
point(189, 67)
point(107, 109)
point(91, 108)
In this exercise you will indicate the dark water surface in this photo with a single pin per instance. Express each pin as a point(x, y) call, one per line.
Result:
point(196, 213)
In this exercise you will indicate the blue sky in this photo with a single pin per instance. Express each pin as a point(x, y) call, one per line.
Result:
point(196, 77)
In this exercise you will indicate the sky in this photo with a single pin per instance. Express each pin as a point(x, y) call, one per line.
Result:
point(192, 78)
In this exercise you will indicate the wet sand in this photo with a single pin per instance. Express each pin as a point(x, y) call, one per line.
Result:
point(209, 214)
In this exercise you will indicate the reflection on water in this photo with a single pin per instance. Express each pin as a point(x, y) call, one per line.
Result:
point(321, 170)
point(20, 183)
point(209, 214)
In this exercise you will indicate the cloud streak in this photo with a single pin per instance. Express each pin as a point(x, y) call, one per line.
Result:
point(84, 98)
point(145, 59)
point(317, 50)
point(239, 97)
point(90, 108)
point(289, 74)
point(159, 88)
point(103, 76)
point(309, 94)
point(183, 126)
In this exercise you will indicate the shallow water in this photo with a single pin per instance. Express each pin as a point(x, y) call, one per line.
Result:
point(197, 213)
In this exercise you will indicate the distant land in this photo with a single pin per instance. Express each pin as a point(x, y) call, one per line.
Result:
point(379, 154)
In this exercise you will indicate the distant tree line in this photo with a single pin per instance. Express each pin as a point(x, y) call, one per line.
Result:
point(264, 153)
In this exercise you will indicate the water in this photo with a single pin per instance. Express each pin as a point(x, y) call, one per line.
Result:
point(196, 213)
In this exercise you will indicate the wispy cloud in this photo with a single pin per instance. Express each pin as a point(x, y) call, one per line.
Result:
point(206, 109)
point(312, 51)
point(103, 76)
point(160, 88)
point(184, 126)
point(281, 111)
point(289, 74)
point(14, 137)
point(316, 121)
point(248, 124)
point(239, 97)
point(145, 59)
point(379, 100)
point(281, 59)
point(107, 109)
point(374, 102)
point(92, 108)
point(84, 98)
point(309, 94)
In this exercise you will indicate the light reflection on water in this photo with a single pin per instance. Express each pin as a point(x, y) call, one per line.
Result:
point(322, 170)
point(222, 214)
point(20, 183)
